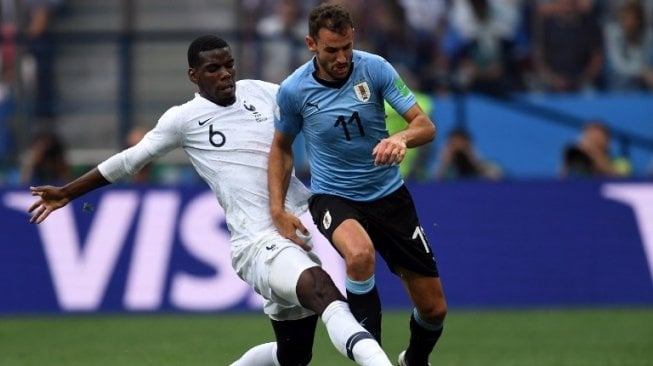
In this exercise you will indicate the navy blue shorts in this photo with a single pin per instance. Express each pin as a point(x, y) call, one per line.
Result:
point(391, 222)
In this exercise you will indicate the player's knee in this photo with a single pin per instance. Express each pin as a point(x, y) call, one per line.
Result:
point(316, 290)
point(434, 312)
point(361, 262)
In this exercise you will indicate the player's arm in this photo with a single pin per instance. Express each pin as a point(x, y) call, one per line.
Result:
point(419, 131)
point(52, 198)
point(124, 163)
point(280, 167)
point(279, 171)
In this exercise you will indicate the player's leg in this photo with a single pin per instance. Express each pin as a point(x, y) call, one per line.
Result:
point(427, 318)
point(295, 340)
point(353, 243)
point(339, 221)
point(259, 355)
point(293, 346)
point(295, 277)
point(403, 245)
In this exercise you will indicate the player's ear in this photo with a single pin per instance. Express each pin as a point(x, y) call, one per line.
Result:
point(192, 76)
point(311, 44)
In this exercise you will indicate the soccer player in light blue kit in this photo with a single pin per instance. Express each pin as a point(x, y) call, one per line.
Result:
point(359, 201)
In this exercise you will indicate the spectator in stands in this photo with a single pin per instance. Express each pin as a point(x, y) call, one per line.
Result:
point(568, 46)
point(395, 39)
point(590, 156)
point(483, 56)
point(36, 20)
point(459, 160)
point(362, 11)
point(8, 30)
point(629, 49)
point(551, 7)
point(612, 8)
point(425, 16)
point(282, 40)
point(45, 161)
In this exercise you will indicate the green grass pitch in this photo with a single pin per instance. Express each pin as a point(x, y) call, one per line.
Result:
point(550, 337)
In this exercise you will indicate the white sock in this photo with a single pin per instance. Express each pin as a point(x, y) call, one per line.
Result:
point(343, 329)
point(262, 355)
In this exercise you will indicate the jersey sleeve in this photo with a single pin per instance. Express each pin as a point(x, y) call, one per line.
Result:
point(287, 118)
point(393, 88)
point(157, 142)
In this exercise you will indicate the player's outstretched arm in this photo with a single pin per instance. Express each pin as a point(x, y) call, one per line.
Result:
point(51, 198)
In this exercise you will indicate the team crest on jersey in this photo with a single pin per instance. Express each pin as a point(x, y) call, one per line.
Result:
point(257, 115)
point(249, 107)
point(362, 91)
point(326, 220)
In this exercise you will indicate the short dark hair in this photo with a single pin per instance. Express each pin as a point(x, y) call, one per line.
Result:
point(330, 16)
point(201, 44)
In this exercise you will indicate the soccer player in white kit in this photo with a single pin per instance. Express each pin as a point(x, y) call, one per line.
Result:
point(226, 131)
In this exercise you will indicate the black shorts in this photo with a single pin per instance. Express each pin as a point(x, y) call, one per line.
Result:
point(391, 222)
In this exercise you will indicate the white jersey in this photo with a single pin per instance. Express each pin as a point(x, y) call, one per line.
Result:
point(229, 148)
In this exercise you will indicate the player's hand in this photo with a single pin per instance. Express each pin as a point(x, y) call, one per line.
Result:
point(390, 151)
point(289, 226)
point(50, 199)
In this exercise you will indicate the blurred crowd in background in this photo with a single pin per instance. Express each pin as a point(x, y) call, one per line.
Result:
point(488, 46)
point(440, 47)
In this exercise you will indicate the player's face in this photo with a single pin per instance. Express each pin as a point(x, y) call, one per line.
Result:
point(333, 52)
point(215, 76)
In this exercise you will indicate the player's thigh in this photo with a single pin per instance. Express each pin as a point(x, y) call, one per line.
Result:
point(284, 272)
point(426, 293)
point(352, 241)
point(339, 220)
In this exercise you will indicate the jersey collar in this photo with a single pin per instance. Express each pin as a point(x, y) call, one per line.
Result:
point(336, 84)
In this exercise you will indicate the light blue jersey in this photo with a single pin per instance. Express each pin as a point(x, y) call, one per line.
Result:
point(343, 123)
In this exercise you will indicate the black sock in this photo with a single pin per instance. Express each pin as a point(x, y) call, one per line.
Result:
point(367, 310)
point(422, 342)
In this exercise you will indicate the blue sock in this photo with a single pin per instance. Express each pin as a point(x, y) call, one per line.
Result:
point(428, 326)
point(360, 287)
point(365, 304)
point(423, 337)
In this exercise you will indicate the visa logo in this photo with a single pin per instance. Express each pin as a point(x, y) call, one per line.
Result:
point(154, 222)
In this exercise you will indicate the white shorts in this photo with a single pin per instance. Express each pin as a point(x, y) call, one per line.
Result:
point(274, 272)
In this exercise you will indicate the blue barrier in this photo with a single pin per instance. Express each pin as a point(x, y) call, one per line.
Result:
point(529, 145)
point(124, 249)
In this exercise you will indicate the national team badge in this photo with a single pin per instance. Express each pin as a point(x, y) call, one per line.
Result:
point(326, 220)
point(362, 91)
